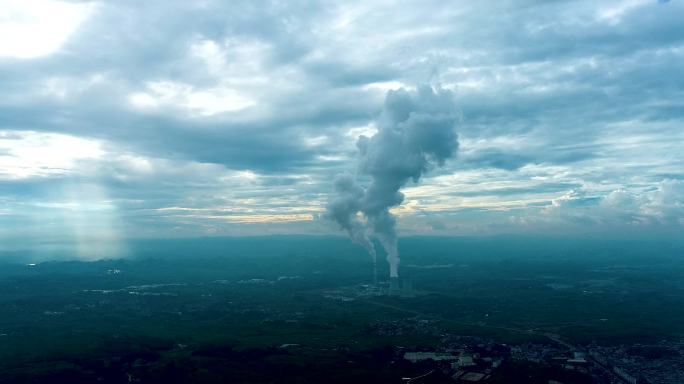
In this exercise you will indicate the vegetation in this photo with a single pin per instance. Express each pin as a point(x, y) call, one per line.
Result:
point(279, 310)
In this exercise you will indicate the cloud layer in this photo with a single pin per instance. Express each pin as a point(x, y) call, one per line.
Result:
point(163, 118)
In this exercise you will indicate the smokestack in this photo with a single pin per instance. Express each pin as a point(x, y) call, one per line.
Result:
point(394, 286)
point(407, 287)
point(415, 133)
point(375, 273)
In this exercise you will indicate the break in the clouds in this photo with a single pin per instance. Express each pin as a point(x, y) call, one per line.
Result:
point(177, 118)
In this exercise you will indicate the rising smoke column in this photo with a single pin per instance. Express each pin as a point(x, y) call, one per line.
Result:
point(415, 133)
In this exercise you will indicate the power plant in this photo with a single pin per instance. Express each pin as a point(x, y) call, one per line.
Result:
point(417, 144)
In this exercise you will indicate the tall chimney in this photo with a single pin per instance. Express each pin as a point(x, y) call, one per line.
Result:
point(407, 287)
point(394, 286)
point(375, 274)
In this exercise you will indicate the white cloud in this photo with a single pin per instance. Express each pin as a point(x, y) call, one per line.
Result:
point(202, 102)
point(316, 141)
point(666, 203)
point(384, 86)
point(211, 54)
point(369, 130)
point(25, 154)
point(617, 10)
point(34, 28)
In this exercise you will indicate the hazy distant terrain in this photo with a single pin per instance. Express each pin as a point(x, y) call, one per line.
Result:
point(292, 309)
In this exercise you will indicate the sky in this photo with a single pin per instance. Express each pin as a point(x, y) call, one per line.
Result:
point(123, 119)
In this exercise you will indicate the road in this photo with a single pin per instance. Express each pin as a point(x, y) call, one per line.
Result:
point(410, 380)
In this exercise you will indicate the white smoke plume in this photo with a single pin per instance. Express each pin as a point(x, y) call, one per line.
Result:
point(344, 207)
point(415, 133)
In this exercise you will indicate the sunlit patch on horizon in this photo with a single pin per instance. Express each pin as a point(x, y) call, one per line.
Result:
point(92, 222)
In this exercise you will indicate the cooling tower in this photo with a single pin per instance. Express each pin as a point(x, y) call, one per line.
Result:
point(394, 286)
point(407, 287)
point(375, 275)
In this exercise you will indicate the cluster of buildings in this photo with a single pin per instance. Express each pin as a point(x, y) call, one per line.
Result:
point(553, 354)
point(465, 360)
point(394, 287)
point(473, 359)
point(460, 365)
point(659, 363)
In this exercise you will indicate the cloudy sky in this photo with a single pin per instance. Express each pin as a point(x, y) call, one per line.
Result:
point(126, 118)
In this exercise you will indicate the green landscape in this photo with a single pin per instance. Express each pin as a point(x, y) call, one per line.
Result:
point(286, 309)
